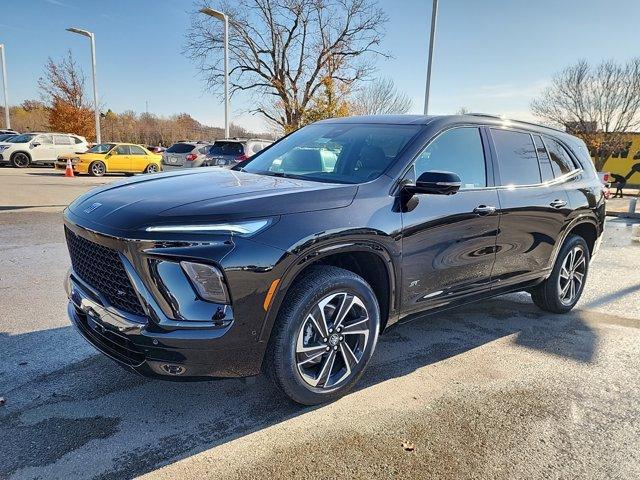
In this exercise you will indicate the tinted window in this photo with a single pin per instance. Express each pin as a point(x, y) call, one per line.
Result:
point(77, 140)
point(517, 157)
point(560, 159)
point(459, 151)
point(25, 138)
point(227, 148)
point(61, 140)
point(543, 159)
point(136, 150)
point(122, 149)
point(180, 148)
point(362, 152)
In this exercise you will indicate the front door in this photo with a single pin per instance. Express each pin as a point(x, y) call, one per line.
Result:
point(119, 160)
point(42, 149)
point(448, 243)
point(534, 205)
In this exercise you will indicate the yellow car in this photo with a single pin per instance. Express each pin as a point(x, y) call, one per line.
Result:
point(112, 158)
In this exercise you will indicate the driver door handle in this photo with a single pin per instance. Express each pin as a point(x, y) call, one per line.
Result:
point(557, 203)
point(484, 210)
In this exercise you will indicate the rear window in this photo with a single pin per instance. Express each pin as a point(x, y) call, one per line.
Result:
point(180, 148)
point(227, 148)
point(517, 157)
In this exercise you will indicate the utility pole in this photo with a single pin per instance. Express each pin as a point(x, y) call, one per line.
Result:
point(432, 39)
point(7, 119)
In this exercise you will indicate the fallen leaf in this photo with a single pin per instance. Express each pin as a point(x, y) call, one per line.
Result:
point(408, 446)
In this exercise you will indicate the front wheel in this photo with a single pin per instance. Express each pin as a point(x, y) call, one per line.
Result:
point(561, 291)
point(324, 335)
point(20, 160)
point(97, 169)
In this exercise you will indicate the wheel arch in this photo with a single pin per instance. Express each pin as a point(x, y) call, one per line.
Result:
point(585, 226)
point(366, 258)
point(13, 154)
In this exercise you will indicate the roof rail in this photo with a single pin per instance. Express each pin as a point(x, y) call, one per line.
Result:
point(492, 115)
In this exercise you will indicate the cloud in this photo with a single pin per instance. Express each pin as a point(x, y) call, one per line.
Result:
point(57, 3)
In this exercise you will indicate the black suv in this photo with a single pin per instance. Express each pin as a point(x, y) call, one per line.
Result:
point(295, 261)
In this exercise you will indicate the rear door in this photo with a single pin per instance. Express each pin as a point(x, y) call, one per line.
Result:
point(448, 241)
point(63, 145)
point(533, 206)
point(139, 159)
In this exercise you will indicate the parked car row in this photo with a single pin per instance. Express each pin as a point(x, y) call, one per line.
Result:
point(221, 153)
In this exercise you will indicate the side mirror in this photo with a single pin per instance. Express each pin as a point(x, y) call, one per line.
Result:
point(35, 144)
point(435, 182)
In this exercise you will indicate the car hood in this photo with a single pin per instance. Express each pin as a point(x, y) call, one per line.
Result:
point(207, 195)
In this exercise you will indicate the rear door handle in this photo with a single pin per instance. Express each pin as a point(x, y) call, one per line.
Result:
point(557, 203)
point(484, 210)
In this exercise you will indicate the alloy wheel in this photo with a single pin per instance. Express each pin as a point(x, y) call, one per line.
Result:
point(572, 273)
point(153, 168)
point(97, 169)
point(20, 160)
point(332, 340)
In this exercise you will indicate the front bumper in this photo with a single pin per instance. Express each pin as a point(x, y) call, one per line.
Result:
point(170, 353)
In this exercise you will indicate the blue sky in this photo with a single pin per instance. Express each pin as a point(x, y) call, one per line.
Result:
point(491, 55)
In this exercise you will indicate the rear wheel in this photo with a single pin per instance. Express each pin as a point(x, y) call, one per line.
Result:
point(152, 168)
point(97, 169)
point(20, 160)
point(325, 334)
point(561, 291)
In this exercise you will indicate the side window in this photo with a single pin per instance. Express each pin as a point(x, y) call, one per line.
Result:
point(122, 149)
point(45, 139)
point(543, 158)
point(62, 140)
point(136, 150)
point(458, 150)
point(560, 159)
point(517, 157)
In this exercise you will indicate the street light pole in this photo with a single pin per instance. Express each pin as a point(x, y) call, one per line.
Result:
point(432, 38)
point(224, 18)
point(91, 37)
point(7, 119)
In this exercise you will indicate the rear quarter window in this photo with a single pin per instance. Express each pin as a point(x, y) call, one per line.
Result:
point(561, 161)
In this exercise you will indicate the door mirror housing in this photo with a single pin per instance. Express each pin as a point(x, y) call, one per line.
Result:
point(35, 144)
point(436, 182)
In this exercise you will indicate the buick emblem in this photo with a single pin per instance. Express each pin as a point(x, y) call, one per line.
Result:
point(92, 207)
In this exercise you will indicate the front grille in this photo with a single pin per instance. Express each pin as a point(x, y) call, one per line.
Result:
point(102, 268)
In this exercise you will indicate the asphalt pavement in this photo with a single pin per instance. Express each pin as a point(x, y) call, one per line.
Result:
point(497, 389)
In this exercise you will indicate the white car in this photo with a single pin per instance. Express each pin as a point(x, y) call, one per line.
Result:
point(23, 150)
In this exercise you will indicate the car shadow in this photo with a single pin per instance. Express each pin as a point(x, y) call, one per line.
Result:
point(129, 425)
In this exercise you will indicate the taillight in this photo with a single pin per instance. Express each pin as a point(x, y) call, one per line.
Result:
point(605, 178)
point(240, 158)
point(191, 157)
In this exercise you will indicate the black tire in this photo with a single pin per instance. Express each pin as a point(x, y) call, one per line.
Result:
point(294, 323)
point(152, 168)
point(20, 160)
point(552, 295)
point(97, 169)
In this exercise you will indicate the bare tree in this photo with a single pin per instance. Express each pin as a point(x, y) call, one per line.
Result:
point(599, 104)
point(284, 50)
point(379, 97)
point(463, 111)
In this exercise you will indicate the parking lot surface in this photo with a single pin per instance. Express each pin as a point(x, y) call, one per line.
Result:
point(498, 389)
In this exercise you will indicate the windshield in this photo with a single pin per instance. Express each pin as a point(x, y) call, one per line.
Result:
point(25, 138)
point(335, 153)
point(226, 148)
point(101, 148)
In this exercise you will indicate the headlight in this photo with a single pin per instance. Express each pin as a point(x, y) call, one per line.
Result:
point(207, 280)
point(239, 228)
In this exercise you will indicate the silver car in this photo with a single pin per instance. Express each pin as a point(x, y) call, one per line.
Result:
point(184, 155)
point(229, 152)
